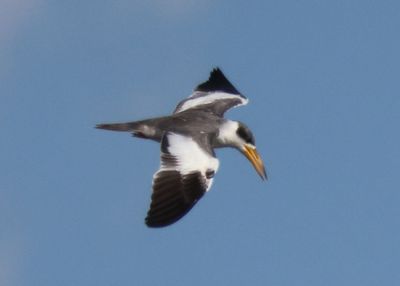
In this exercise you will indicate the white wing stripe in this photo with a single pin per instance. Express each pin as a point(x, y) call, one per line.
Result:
point(210, 98)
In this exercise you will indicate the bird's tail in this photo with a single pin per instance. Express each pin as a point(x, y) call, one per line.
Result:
point(128, 126)
point(143, 129)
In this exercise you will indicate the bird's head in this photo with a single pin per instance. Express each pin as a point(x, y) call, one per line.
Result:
point(238, 135)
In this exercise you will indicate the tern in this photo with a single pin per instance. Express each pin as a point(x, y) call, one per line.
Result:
point(188, 138)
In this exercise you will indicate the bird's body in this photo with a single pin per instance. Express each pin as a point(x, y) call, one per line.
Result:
point(189, 122)
point(188, 138)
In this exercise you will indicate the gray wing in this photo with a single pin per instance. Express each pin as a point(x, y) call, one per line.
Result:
point(185, 175)
point(217, 95)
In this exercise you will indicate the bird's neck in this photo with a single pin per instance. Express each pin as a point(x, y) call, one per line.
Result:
point(227, 136)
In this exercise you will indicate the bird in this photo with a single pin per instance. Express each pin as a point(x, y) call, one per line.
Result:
point(188, 139)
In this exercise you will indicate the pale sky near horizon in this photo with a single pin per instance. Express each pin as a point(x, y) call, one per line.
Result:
point(322, 78)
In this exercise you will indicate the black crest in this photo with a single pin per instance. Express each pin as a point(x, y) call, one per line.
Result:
point(244, 132)
point(217, 82)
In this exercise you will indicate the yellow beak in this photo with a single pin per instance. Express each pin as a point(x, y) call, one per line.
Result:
point(252, 155)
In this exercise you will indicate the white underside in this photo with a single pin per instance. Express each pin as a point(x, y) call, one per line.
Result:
point(190, 156)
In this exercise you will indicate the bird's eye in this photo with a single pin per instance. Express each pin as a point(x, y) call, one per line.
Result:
point(210, 173)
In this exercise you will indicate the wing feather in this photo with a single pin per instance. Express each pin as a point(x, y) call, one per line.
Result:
point(181, 181)
point(217, 94)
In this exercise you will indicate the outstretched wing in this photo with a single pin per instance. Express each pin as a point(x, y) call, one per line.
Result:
point(186, 173)
point(217, 94)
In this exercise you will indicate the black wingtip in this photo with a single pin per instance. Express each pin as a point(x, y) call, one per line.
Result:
point(217, 82)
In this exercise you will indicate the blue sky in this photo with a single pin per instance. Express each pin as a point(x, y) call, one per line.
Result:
point(323, 82)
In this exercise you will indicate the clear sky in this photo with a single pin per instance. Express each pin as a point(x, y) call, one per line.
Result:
point(324, 88)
